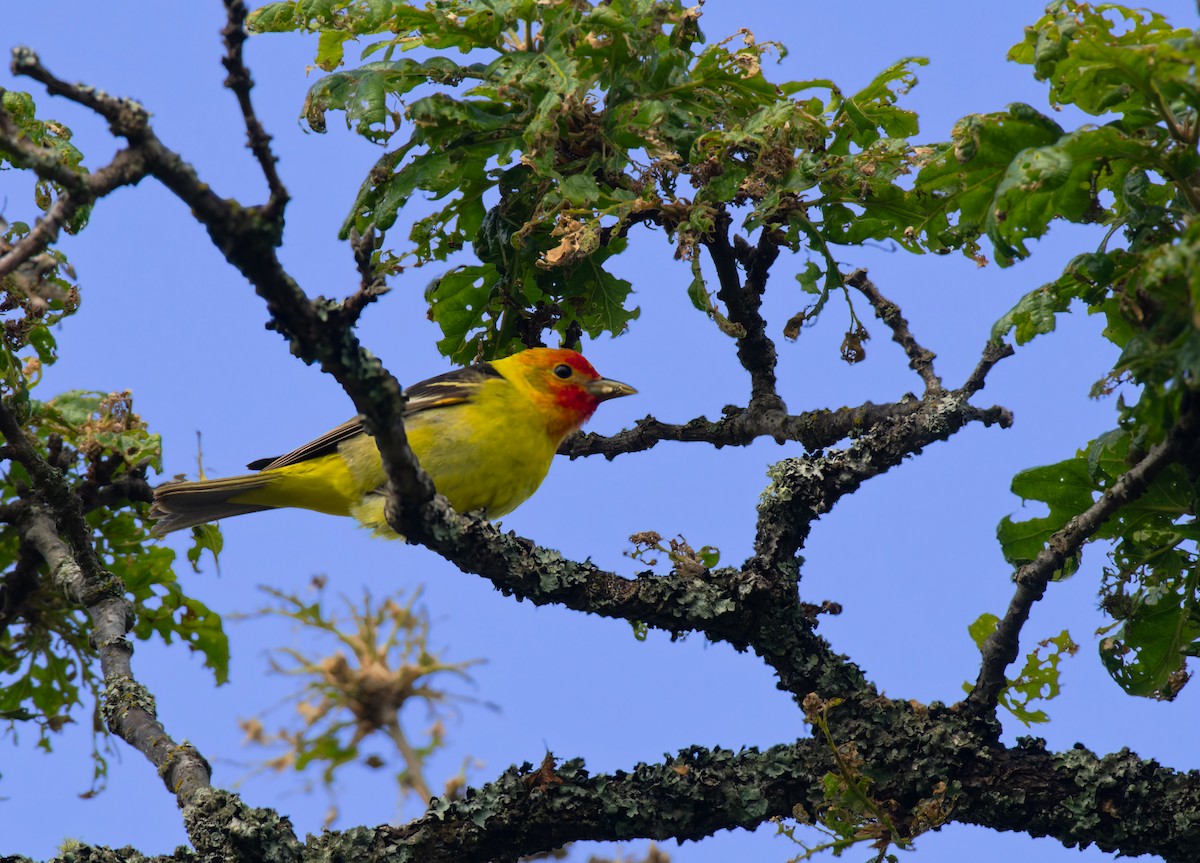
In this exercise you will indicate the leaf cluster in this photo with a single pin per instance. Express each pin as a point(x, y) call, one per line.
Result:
point(550, 129)
point(1010, 175)
point(48, 667)
point(53, 138)
point(1150, 586)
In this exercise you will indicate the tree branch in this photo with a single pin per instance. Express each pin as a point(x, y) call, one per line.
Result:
point(79, 190)
point(371, 283)
point(741, 427)
point(927, 768)
point(248, 242)
point(756, 351)
point(803, 489)
point(1002, 646)
point(920, 360)
point(128, 706)
point(126, 117)
point(240, 83)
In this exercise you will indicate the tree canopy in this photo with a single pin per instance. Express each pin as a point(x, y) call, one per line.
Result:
point(511, 158)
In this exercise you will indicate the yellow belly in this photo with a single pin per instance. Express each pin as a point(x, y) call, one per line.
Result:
point(477, 466)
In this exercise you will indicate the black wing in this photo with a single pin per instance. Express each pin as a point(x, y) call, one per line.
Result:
point(451, 388)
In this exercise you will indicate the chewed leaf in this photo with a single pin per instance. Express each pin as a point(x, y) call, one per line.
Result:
point(1039, 677)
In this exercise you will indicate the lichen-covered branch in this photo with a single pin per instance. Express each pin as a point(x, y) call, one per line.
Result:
point(803, 489)
point(741, 427)
point(76, 569)
point(925, 769)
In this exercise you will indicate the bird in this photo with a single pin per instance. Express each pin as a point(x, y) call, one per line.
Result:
point(485, 434)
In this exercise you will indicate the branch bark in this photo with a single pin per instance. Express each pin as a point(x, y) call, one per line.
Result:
point(128, 707)
point(755, 350)
point(920, 359)
point(942, 772)
point(908, 751)
point(741, 427)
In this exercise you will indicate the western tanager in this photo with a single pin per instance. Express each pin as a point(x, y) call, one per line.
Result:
point(485, 434)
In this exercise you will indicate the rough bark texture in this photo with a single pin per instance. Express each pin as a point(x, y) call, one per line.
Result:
point(926, 764)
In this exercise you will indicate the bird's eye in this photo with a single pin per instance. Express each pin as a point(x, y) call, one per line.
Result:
point(563, 371)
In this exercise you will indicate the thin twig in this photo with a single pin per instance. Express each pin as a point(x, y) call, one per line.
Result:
point(413, 773)
point(1002, 646)
point(240, 83)
point(920, 359)
point(79, 189)
point(993, 352)
point(371, 283)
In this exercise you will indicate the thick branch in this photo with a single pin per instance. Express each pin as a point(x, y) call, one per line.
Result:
point(1002, 646)
point(926, 768)
point(803, 489)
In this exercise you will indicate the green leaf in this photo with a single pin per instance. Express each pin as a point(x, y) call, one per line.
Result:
point(460, 303)
point(1062, 180)
point(331, 48)
point(1067, 488)
point(1039, 677)
point(959, 183)
point(1086, 277)
point(1109, 59)
point(698, 290)
point(809, 276)
point(871, 113)
point(982, 628)
point(42, 341)
point(580, 189)
point(1147, 654)
point(205, 537)
point(604, 297)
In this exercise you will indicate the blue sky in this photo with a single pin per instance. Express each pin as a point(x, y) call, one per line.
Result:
point(911, 556)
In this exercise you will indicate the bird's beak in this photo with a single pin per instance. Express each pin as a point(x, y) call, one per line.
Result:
point(604, 389)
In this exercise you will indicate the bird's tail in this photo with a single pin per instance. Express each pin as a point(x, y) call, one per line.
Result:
point(185, 504)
